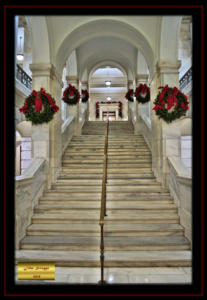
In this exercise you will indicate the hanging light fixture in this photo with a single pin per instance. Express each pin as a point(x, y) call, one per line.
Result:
point(20, 55)
point(107, 82)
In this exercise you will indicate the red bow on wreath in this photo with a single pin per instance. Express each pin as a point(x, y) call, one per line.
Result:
point(143, 88)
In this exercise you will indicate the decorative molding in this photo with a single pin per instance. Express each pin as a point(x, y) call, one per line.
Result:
point(168, 67)
point(142, 77)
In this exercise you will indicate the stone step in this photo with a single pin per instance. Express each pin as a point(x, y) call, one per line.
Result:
point(110, 243)
point(110, 195)
point(111, 148)
point(115, 205)
point(112, 259)
point(109, 176)
point(94, 204)
point(109, 181)
point(155, 197)
point(67, 175)
point(109, 171)
point(109, 229)
point(100, 161)
point(110, 165)
point(110, 188)
point(110, 151)
point(112, 215)
point(100, 157)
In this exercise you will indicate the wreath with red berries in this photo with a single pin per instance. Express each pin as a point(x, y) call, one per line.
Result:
point(84, 96)
point(39, 107)
point(71, 95)
point(129, 95)
point(170, 104)
point(142, 93)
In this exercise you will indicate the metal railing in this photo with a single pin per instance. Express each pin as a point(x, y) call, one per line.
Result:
point(103, 204)
point(23, 77)
point(187, 77)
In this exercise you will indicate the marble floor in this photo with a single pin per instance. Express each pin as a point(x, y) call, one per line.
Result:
point(66, 275)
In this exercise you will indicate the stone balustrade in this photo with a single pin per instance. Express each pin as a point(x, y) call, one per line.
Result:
point(180, 185)
point(68, 129)
point(29, 188)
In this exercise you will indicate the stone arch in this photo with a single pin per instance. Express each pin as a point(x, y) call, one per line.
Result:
point(101, 28)
point(41, 50)
point(106, 62)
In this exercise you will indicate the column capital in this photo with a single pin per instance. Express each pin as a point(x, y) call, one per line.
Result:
point(168, 67)
point(72, 80)
point(84, 84)
point(142, 76)
point(46, 69)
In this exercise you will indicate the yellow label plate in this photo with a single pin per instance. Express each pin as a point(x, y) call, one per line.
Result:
point(36, 271)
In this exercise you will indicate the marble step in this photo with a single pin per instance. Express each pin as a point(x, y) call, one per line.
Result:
point(110, 188)
point(111, 148)
point(109, 229)
point(99, 170)
point(85, 206)
point(155, 197)
point(112, 215)
point(173, 258)
point(110, 165)
point(109, 181)
point(110, 142)
point(111, 211)
point(109, 176)
point(110, 157)
point(109, 161)
point(121, 204)
point(91, 151)
point(175, 242)
point(110, 195)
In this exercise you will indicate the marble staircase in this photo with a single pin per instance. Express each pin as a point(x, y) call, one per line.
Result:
point(142, 227)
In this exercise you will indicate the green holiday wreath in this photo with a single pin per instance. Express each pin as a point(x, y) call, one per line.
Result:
point(142, 93)
point(170, 104)
point(39, 107)
point(71, 95)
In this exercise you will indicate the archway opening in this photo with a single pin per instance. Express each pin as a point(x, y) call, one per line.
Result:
point(107, 89)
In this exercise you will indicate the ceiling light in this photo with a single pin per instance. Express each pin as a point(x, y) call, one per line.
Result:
point(108, 82)
point(20, 56)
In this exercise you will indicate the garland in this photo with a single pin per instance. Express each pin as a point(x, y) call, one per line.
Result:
point(109, 102)
point(142, 93)
point(84, 95)
point(71, 95)
point(33, 105)
point(170, 104)
point(129, 95)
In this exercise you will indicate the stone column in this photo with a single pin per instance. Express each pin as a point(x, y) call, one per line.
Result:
point(46, 138)
point(73, 110)
point(131, 105)
point(84, 86)
point(141, 78)
point(165, 137)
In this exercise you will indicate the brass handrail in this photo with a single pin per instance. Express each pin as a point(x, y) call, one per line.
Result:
point(103, 204)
